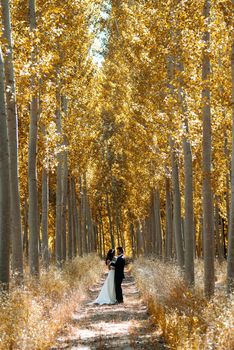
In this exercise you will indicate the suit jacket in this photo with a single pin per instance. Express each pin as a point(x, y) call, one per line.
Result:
point(119, 267)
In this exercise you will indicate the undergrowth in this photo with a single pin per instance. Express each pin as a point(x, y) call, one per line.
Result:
point(186, 319)
point(32, 316)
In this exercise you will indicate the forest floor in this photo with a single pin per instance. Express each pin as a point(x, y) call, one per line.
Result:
point(124, 326)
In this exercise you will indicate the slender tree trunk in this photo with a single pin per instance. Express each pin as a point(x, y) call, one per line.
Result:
point(103, 235)
point(158, 226)
point(223, 238)
point(70, 222)
point(110, 222)
point(90, 226)
point(189, 214)
point(80, 243)
point(143, 236)
point(169, 222)
point(200, 249)
point(121, 233)
point(206, 167)
point(32, 159)
point(5, 229)
point(217, 233)
point(117, 224)
point(227, 198)
point(74, 217)
point(77, 221)
point(44, 218)
point(177, 208)
point(64, 206)
point(230, 259)
point(16, 227)
point(132, 239)
point(100, 238)
point(59, 185)
point(25, 238)
point(64, 188)
point(153, 225)
point(84, 216)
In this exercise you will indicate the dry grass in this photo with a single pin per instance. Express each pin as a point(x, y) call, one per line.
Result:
point(187, 320)
point(31, 316)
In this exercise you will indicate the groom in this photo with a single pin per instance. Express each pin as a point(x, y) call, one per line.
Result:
point(119, 274)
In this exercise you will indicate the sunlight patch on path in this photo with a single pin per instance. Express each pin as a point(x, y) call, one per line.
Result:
point(123, 326)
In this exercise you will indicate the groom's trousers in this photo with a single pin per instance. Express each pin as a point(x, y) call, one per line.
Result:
point(118, 290)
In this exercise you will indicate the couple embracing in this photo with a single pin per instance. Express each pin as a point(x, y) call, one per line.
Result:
point(111, 292)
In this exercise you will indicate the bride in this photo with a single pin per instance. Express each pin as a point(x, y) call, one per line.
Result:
point(107, 294)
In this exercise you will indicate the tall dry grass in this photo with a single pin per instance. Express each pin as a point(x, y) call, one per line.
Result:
point(186, 319)
point(31, 316)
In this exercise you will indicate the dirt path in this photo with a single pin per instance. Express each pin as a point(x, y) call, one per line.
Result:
point(123, 326)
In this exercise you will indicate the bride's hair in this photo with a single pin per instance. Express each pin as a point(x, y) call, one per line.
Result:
point(110, 255)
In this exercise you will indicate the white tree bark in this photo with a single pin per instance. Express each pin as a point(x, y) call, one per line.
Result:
point(64, 189)
point(158, 226)
point(177, 208)
point(169, 222)
point(189, 214)
point(84, 216)
point(32, 169)
point(58, 247)
point(70, 222)
point(75, 218)
point(16, 227)
point(110, 221)
point(4, 186)
point(44, 217)
point(206, 166)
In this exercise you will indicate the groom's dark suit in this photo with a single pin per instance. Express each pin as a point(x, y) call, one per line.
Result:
point(119, 276)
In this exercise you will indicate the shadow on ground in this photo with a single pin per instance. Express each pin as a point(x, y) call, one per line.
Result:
point(124, 326)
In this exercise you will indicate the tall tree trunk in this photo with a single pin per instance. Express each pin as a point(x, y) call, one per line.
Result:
point(223, 238)
point(77, 221)
point(90, 226)
point(80, 243)
point(169, 222)
point(70, 222)
point(110, 222)
point(121, 230)
point(64, 207)
point(74, 218)
point(25, 237)
point(16, 227)
point(158, 226)
point(206, 166)
point(64, 188)
point(100, 239)
point(230, 259)
point(177, 208)
point(132, 240)
point(5, 229)
point(59, 187)
point(87, 215)
point(200, 249)
point(189, 214)
point(103, 233)
point(153, 225)
point(219, 248)
point(84, 216)
point(32, 160)
point(44, 217)
point(117, 224)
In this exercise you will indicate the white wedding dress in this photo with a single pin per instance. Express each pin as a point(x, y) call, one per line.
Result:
point(107, 294)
